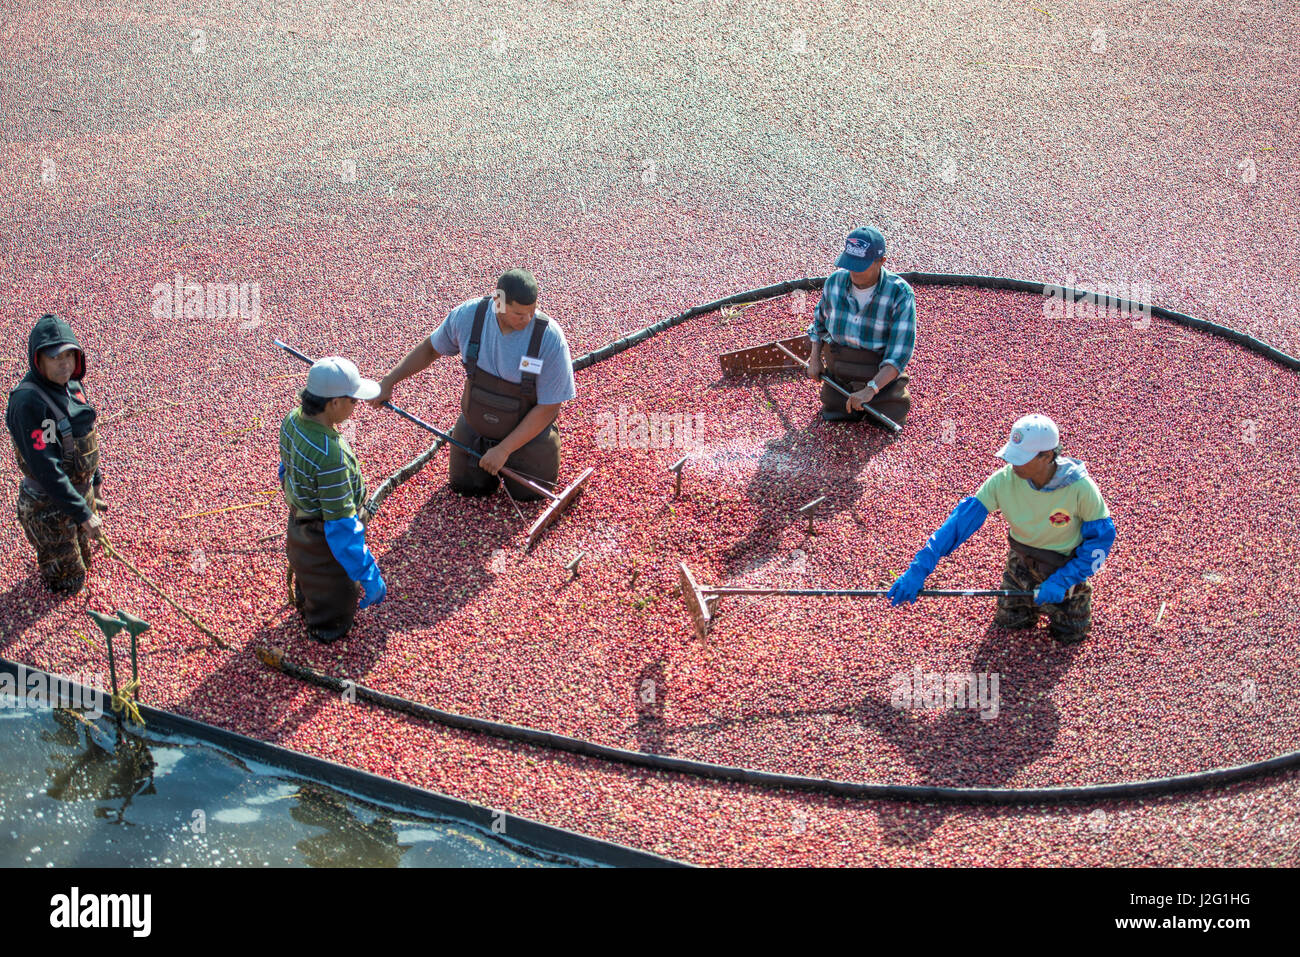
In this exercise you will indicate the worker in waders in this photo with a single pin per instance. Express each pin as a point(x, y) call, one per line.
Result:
point(52, 425)
point(326, 541)
point(1060, 533)
point(863, 332)
point(518, 372)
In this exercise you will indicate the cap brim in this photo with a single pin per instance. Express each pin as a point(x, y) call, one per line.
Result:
point(853, 263)
point(1015, 454)
point(368, 389)
point(59, 350)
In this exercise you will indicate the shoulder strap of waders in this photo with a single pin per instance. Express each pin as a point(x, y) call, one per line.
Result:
point(528, 380)
point(476, 335)
point(61, 416)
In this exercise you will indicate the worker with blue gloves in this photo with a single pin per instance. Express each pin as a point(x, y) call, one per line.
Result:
point(1060, 533)
point(326, 540)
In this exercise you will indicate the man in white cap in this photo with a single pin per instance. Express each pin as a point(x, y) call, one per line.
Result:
point(1060, 533)
point(326, 541)
point(863, 333)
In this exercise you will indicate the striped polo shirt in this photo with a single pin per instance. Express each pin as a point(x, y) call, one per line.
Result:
point(321, 476)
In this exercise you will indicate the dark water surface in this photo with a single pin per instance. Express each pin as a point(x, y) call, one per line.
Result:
point(72, 795)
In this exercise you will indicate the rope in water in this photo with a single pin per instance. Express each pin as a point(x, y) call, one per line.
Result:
point(113, 552)
point(912, 793)
point(124, 700)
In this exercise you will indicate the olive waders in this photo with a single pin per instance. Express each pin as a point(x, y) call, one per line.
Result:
point(491, 408)
point(1025, 570)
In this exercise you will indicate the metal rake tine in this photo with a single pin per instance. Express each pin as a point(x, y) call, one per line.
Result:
point(506, 488)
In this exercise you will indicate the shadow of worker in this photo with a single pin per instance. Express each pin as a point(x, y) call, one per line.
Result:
point(244, 695)
point(1006, 725)
point(783, 482)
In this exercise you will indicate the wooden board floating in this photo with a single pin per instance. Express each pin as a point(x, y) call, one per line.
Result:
point(764, 358)
point(696, 602)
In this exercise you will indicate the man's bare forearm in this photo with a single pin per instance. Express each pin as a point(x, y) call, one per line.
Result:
point(886, 374)
point(417, 360)
point(537, 419)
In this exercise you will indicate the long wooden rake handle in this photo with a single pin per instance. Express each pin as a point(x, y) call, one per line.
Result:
point(700, 599)
point(871, 592)
point(880, 419)
point(522, 480)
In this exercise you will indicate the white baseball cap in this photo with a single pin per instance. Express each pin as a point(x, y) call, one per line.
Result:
point(1030, 435)
point(335, 376)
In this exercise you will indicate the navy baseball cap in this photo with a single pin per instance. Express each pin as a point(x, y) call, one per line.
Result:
point(863, 247)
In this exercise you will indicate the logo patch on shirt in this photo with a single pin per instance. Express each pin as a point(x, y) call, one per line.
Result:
point(45, 436)
point(527, 364)
point(1059, 517)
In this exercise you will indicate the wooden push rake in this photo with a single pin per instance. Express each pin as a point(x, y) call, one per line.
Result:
point(702, 599)
point(789, 354)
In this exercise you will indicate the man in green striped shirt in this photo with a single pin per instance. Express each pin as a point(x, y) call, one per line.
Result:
point(325, 543)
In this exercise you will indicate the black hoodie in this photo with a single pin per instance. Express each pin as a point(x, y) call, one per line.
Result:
point(27, 414)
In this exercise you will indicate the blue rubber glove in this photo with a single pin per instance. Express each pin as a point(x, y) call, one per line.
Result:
point(279, 474)
point(347, 540)
point(963, 522)
point(908, 586)
point(1050, 592)
point(1098, 537)
point(373, 589)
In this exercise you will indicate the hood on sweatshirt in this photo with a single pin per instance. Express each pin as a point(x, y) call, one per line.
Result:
point(1068, 471)
point(50, 330)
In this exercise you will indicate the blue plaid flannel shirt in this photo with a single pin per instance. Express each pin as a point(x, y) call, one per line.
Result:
point(887, 324)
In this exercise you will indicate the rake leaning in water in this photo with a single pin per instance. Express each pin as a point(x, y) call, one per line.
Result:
point(785, 354)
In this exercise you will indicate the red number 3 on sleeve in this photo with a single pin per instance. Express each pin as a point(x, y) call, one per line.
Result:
point(38, 440)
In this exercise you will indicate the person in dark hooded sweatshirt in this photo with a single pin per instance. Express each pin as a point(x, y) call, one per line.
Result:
point(52, 425)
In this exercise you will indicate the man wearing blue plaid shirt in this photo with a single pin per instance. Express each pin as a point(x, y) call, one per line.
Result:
point(863, 332)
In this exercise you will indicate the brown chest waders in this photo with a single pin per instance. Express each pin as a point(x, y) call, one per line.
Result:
point(491, 408)
point(62, 548)
point(1028, 567)
point(322, 592)
point(853, 369)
